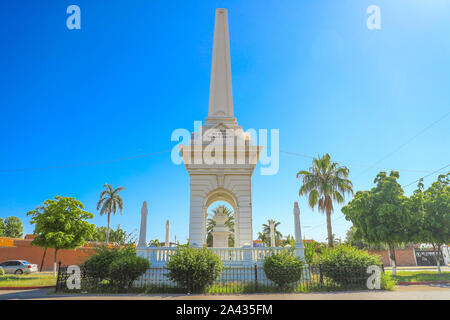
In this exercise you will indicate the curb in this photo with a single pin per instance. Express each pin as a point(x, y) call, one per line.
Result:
point(25, 288)
point(423, 282)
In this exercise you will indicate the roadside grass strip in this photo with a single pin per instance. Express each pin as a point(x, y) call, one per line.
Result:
point(27, 280)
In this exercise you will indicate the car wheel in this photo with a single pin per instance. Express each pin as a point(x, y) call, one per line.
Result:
point(18, 271)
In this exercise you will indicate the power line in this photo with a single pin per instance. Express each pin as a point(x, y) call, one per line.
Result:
point(404, 186)
point(85, 163)
point(406, 142)
point(354, 164)
point(427, 175)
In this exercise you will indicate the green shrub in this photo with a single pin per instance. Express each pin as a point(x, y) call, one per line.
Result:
point(2, 272)
point(194, 269)
point(387, 282)
point(312, 252)
point(124, 270)
point(97, 266)
point(347, 265)
point(283, 268)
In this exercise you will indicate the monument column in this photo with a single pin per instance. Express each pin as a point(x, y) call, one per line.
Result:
point(272, 233)
point(143, 231)
point(211, 175)
point(299, 247)
point(167, 242)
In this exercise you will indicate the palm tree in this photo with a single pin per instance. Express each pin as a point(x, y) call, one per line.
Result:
point(262, 237)
point(266, 231)
point(109, 202)
point(229, 223)
point(324, 183)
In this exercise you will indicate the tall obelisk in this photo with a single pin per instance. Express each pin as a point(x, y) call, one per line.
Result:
point(167, 242)
point(143, 231)
point(211, 178)
point(220, 91)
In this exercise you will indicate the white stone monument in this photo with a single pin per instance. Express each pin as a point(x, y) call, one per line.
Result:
point(299, 247)
point(272, 233)
point(221, 157)
point(143, 231)
point(167, 243)
point(220, 231)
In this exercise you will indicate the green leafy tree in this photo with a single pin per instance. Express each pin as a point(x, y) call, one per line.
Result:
point(266, 232)
point(61, 224)
point(262, 237)
point(13, 227)
point(118, 236)
point(229, 223)
point(2, 228)
point(155, 243)
point(323, 183)
point(433, 207)
point(381, 215)
point(109, 202)
point(361, 243)
point(290, 241)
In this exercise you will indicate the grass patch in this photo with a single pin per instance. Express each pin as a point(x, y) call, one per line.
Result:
point(27, 280)
point(412, 276)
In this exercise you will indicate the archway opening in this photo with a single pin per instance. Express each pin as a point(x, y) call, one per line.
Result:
point(230, 222)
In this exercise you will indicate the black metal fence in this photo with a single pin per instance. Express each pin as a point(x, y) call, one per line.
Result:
point(428, 257)
point(236, 279)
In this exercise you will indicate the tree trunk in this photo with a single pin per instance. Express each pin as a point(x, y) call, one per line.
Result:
point(54, 263)
point(329, 230)
point(43, 258)
point(107, 228)
point(392, 258)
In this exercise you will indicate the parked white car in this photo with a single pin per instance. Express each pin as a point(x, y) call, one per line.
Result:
point(18, 267)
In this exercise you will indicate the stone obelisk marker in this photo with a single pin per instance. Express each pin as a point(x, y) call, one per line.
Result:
point(299, 247)
point(143, 232)
point(167, 244)
point(220, 93)
point(272, 233)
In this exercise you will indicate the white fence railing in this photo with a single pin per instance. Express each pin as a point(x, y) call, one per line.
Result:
point(158, 256)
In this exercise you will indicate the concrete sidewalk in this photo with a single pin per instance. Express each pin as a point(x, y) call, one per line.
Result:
point(413, 292)
point(420, 268)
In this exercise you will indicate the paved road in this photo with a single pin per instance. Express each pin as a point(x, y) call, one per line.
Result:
point(422, 292)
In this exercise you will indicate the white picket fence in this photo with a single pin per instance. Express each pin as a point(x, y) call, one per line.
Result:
point(158, 256)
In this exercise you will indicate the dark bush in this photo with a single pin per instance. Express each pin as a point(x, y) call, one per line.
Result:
point(283, 268)
point(347, 265)
point(97, 266)
point(194, 269)
point(124, 270)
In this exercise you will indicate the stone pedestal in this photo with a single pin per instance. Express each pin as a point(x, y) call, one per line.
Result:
point(220, 239)
point(220, 232)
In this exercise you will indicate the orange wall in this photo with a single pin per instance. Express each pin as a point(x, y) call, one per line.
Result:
point(22, 250)
point(404, 257)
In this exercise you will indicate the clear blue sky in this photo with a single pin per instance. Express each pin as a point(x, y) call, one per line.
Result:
point(137, 70)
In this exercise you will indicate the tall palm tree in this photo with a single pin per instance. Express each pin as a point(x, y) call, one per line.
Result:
point(324, 183)
point(109, 202)
point(229, 223)
point(266, 232)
